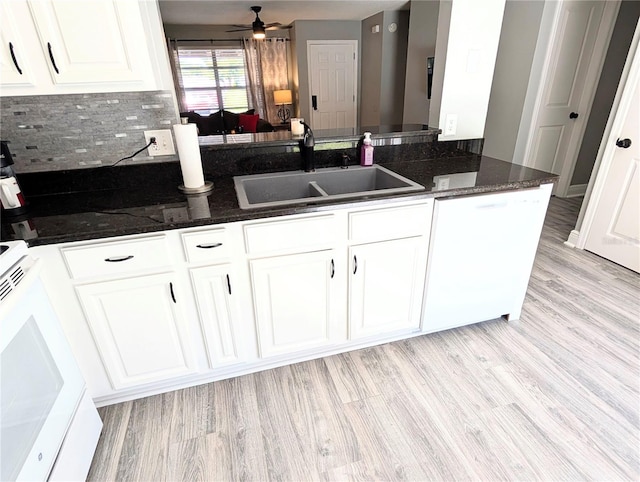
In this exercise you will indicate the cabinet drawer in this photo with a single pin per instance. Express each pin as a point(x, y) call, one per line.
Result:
point(114, 258)
point(209, 245)
point(390, 223)
point(291, 234)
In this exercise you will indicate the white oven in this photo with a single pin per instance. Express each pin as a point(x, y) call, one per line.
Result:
point(49, 426)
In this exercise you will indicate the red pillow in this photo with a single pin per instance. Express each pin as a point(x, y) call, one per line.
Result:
point(248, 122)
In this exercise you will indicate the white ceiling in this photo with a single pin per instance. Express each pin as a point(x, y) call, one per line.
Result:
point(229, 12)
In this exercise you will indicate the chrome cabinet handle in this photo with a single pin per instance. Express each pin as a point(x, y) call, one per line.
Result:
point(13, 57)
point(118, 259)
point(208, 245)
point(173, 295)
point(53, 60)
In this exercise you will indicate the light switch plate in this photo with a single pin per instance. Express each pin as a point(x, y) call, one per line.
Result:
point(164, 143)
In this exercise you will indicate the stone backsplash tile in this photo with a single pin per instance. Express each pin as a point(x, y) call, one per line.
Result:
point(76, 131)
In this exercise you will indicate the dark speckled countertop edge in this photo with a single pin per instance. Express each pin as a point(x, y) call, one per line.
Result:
point(60, 226)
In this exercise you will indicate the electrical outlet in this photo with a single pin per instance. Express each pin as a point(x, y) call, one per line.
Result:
point(443, 183)
point(164, 143)
point(450, 124)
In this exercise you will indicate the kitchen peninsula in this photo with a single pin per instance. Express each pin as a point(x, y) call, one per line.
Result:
point(160, 291)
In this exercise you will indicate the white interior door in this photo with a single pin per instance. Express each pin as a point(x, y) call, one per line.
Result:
point(332, 79)
point(615, 230)
point(576, 52)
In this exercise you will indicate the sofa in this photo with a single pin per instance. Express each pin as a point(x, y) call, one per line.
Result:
point(226, 122)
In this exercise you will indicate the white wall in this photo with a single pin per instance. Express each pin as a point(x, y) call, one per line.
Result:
point(516, 49)
point(423, 29)
point(472, 45)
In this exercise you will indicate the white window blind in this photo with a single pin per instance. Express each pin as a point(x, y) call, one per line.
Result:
point(213, 79)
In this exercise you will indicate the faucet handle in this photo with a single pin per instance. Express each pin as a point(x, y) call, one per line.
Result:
point(345, 160)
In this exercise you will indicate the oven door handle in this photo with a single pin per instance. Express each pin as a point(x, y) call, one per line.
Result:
point(33, 273)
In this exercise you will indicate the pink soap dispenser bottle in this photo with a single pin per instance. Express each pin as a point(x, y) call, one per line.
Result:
point(366, 151)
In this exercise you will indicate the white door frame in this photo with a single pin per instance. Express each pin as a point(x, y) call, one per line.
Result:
point(355, 72)
point(538, 82)
point(607, 150)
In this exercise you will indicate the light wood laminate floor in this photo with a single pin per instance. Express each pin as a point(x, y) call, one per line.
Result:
point(554, 396)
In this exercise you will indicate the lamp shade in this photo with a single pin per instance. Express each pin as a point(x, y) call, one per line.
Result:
point(282, 97)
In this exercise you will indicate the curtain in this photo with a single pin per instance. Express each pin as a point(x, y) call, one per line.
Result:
point(174, 60)
point(254, 77)
point(268, 71)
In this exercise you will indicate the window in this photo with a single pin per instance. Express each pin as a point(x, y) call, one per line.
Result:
point(213, 79)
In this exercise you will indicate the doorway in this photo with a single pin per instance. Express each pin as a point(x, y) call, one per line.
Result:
point(568, 78)
point(333, 83)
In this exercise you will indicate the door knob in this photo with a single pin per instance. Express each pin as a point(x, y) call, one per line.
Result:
point(624, 143)
point(573, 115)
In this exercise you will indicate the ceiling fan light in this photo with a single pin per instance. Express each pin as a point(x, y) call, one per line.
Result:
point(258, 29)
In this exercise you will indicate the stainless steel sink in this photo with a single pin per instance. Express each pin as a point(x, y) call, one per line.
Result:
point(298, 187)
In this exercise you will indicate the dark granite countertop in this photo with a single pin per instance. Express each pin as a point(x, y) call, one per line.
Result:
point(97, 203)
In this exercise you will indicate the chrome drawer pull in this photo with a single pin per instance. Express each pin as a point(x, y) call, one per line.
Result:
point(117, 259)
point(208, 245)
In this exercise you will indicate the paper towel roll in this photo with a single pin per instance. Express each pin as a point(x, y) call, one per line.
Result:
point(189, 152)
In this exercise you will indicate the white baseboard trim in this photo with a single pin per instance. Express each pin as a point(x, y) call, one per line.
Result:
point(572, 241)
point(576, 190)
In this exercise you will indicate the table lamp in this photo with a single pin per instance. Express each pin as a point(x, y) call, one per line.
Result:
point(282, 97)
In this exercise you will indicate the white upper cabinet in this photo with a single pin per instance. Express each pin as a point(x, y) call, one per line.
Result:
point(76, 46)
point(15, 58)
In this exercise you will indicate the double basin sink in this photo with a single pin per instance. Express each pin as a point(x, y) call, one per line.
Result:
point(298, 187)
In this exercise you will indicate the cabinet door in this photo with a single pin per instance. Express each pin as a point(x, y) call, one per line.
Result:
point(91, 41)
point(298, 302)
point(481, 255)
point(16, 55)
point(139, 329)
point(386, 286)
point(218, 312)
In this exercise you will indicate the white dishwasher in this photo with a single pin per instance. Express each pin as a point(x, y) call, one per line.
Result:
point(481, 254)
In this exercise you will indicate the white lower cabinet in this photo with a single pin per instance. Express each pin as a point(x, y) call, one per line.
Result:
point(386, 286)
point(216, 300)
point(298, 302)
point(139, 328)
point(167, 310)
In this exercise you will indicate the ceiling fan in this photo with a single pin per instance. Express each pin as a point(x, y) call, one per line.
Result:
point(258, 26)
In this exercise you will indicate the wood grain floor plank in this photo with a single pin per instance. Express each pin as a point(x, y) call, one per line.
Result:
point(115, 419)
point(286, 458)
point(350, 379)
point(144, 449)
point(188, 459)
point(320, 422)
point(385, 451)
point(527, 436)
point(238, 424)
point(188, 413)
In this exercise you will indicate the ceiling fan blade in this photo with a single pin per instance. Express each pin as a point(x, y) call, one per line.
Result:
point(240, 29)
point(279, 27)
